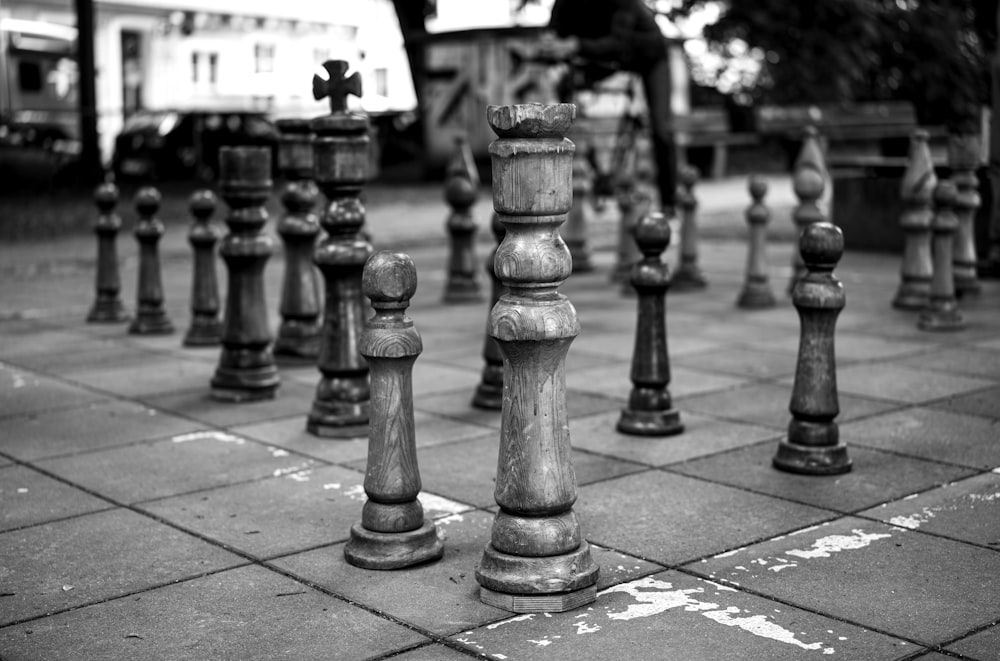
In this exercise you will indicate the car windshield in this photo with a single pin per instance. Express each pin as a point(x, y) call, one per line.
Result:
point(161, 122)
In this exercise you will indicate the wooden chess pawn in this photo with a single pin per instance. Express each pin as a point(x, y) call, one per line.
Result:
point(206, 327)
point(580, 214)
point(393, 531)
point(813, 445)
point(650, 410)
point(916, 191)
point(689, 276)
point(808, 182)
point(756, 293)
point(246, 371)
point(489, 392)
point(461, 190)
point(942, 313)
point(635, 200)
point(108, 306)
point(301, 305)
point(963, 156)
point(150, 316)
point(537, 559)
point(340, 151)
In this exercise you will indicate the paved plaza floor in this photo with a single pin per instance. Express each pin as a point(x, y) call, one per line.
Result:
point(140, 519)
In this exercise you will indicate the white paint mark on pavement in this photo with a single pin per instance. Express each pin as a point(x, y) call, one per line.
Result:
point(220, 436)
point(824, 546)
point(759, 625)
point(516, 618)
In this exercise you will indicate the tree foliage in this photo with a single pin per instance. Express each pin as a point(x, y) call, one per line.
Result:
point(929, 52)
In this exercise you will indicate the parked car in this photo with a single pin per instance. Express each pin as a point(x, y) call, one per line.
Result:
point(178, 144)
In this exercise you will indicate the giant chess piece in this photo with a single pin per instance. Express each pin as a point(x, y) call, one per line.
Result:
point(942, 313)
point(246, 370)
point(537, 559)
point(107, 307)
point(963, 156)
point(650, 411)
point(813, 444)
point(489, 392)
point(393, 532)
point(756, 292)
point(916, 192)
point(581, 215)
point(150, 315)
point(808, 182)
point(340, 408)
point(461, 189)
point(301, 305)
point(688, 276)
point(206, 327)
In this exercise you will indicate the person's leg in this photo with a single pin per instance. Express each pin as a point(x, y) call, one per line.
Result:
point(657, 87)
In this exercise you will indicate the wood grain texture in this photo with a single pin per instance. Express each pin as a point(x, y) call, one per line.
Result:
point(107, 306)
point(756, 292)
point(206, 326)
point(340, 408)
point(813, 444)
point(150, 315)
point(916, 192)
point(942, 312)
point(246, 370)
point(537, 545)
point(489, 392)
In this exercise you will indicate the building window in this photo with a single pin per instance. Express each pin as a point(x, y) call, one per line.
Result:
point(213, 67)
point(382, 81)
point(195, 56)
point(263, 55)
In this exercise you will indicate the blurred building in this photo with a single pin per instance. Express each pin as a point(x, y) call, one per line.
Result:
point(206, 54)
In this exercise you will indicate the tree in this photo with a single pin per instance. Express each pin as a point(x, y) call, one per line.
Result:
point(928, 52)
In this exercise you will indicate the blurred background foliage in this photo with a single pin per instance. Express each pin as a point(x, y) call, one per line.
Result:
point(932, 53)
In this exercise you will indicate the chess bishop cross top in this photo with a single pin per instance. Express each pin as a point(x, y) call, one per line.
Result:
point(336, 86)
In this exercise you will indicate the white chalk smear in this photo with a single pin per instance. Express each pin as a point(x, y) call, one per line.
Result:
point(22, 490)
point(516, 618)
point(583, 627)
point(331, 485)
point(436, 505)
point(654, 597)
point(541, 643)
point(451, 518)
point(915, 520)
point(278, 452)
point(759, 625)
point(278, 472)
point(984, 497)
point(357, 492)
point(825, 546)
point(302, 476)
point(220, 436)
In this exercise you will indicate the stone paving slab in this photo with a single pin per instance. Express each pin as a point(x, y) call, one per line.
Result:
point(442, 597)
point(959, 360)
point(826, 568)
point(742, 361)
point(28, 497)
point(23, 391)
point(94, 426)
point(291, 398)
point(767, 404)
point(671, 519)
point(244, 613)
point(981, 646)
point(875, 477)
point(985, 403)
point(183, 463)
point(675, 616)
point(87, 559)
point(967, 440)
point(967, 509)
point(903, 384)
point(702, 435)
point(156, 374)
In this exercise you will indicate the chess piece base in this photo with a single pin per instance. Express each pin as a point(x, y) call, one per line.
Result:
point(245, 384)
point(911, 298)
point(941, 320)
point(650, 423)
point(155, 323)
point(553, 583)
point(324, 424)
point(688, 279)
point(967, 287)
point(462, 290)
point(380, 550)
point(298, 339)
point(530, 603)
point(488, 396)
point(756, 297)
point(107, 311)
point(204, 333)
point(812, 460)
